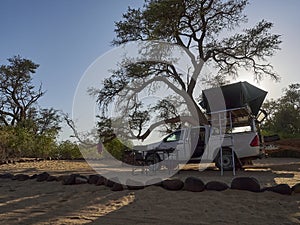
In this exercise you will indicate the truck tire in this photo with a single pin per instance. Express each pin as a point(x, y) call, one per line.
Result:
point(227, 160)
point(153, 161)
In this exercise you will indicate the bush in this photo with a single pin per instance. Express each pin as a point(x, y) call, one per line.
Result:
point(17, 142)
point(116, 148)
point(66, 150)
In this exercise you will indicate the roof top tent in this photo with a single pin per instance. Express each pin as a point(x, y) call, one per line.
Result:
point(241, 99)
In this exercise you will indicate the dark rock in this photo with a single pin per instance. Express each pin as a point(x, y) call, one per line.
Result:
point(62, 177)
point(283, 189)
point(21, 177)
point(7, 176)
point(117, 187)
point(296, 188)
point(42, 177)
point(70, 180)
point(51, 178)
point(154, 181)
point(216, 186)
point(101, 181)
point(134, 185)
point(81, 180)
point(109, 182)
point(33, 176)
point(245, 183)
point(194, 184)
point(93, 179)
point(173, 184)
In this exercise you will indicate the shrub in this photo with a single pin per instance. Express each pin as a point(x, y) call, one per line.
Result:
point(66, 150)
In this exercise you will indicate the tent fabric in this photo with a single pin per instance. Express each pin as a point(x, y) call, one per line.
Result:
point(232, 96)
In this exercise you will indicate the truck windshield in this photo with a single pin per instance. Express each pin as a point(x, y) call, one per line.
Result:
point(173, 137)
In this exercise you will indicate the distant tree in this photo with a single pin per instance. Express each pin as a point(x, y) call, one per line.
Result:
point(204, 29)
point(17, 93)
point(19, 98)
point(26, 129)
point(284, 113)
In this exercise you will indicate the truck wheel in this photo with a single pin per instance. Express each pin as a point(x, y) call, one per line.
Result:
point(227, 160)
point(152, 160)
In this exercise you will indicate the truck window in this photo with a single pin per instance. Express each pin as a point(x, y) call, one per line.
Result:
point(173, 137)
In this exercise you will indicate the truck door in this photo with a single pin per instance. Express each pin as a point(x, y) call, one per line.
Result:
point(178, 141)
point(171, 141)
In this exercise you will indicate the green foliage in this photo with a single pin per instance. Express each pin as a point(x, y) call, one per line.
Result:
point(26, 130)
point(284, 113)
point(17, 142)
point(66, 150)
point(116, 148)
point(21, 142)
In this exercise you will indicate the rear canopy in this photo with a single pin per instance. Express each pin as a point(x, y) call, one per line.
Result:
point(232, 96)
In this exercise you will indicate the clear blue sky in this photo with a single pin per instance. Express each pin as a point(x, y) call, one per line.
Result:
point(66, 36)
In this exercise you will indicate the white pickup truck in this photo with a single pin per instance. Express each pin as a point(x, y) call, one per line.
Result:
point(203, 144)
point(239, 106)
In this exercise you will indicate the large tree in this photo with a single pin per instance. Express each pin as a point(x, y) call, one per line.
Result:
point(19, 99)
point(205, 30)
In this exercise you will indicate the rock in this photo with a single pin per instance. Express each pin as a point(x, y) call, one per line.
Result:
point(33, 176)
point(62, 177)
point(194, 184)
point(81, 180)
point(154, 181)
point(7, 176)
point(216, 186)
point(51, 178)
point(109, 182)
point(21, 177)
point(42, 177)
point(117, 187)
point(296, 188)
point(93, 179)
point(70, 180)
point(134, 185)
point(283, 189)
point(101, 181)
point(245, 183)
point(173, 184)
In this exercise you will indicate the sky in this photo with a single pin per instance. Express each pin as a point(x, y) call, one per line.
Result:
point(66, 36)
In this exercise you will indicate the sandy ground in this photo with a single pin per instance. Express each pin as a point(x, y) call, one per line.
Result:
point(31, 202)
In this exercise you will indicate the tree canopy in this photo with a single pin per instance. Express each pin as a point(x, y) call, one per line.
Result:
point(284, 113)
point(19, 98)
point(26, 129)
point(209, 32)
